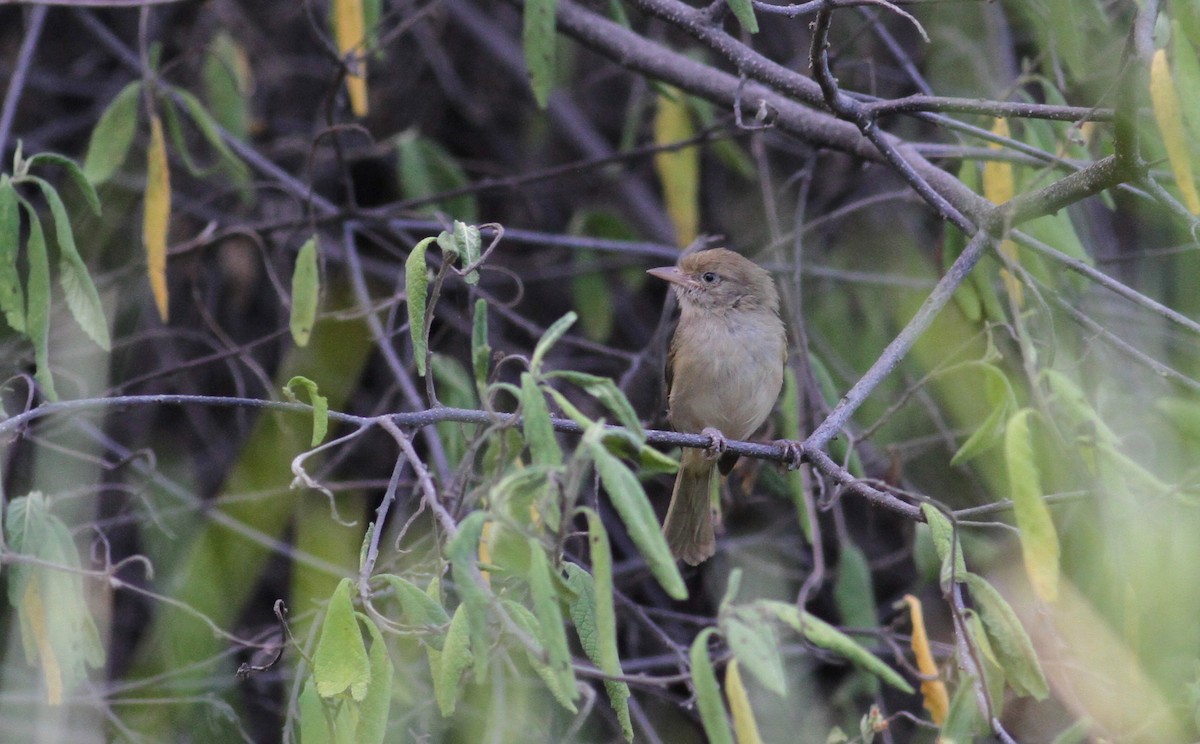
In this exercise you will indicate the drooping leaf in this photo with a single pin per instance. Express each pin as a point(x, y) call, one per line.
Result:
point(12, 297)
point(481, 351)
point(340, 662)
point(426, 168)
point(539, 431)
point(629, 499)
point(1039, 539)
point(416, 607)
point(999, 395)
point(113, 135)
point(156, 216)
point(752, 638)
point(416, 285)
point(678, 170)
point(210, 130)
point(708, 694)
point(228, 84)
point(853, 591)
point(1165, 101)
point(933, 690)
point(610, 396)
point(539, 41)
point(373, 712)
point(1008, 640)
point(306, 292)
point(463, 554)
point(562, 687)
point(745, 727)
point(553, 635)
point(744, 12)
point(945, 543)
point(76, 174)
point(454, 659)
point(556, 331)
point(37, 297)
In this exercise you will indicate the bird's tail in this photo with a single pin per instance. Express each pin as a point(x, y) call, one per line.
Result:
point(689, 526)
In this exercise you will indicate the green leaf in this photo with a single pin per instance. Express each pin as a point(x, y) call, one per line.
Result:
point(57, 629)
point(37, 296)
point(629, 499)
point(562, 688)
point(416, 285)
point(789, 428)
point(552, 635)
point(1077, 733)
point(555, 332)
point(944, 543)
point(822, 634)
point(853, 591)
point(306, 292)
point(464, 242)
point(964, 722)
point(113, 135)
point(610, 396)
point(373, 712)
point(595, 619)
point(426, 169)
point(539, 431)
point(1039, 539)
point(455, 658)
point(77, 177)
point(211, 131)
point(999, 395)
point(12, 297)
point(227, 84)
point(1008, 640)
point(82, 298)
point(755, 645)
point(481, 352)
point(539, 43)
point(592, 296)
point(320, 406)
point(340, 663)
point(463, 552)
point(455, 389)
point(744, 12)
point(416, 607)
point(708, 694)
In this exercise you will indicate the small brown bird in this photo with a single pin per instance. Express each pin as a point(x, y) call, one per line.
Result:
point(724, 371)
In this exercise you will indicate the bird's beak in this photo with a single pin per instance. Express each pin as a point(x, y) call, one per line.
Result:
point(670, 274)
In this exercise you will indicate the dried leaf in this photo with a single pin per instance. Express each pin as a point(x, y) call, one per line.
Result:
point(156, 216)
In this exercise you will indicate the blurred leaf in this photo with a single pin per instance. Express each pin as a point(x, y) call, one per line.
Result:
point(963, 722)
point(350, 30)
point(824, 635)
point(320, 406)
point(425, 169)
point(1169, 117)
point(744, 12)
point(454, 659)
point(595, 619)
point(113, 135)
point(455, 389)
point(156, 216)
point(937, 702)
point(592, 296)
point(789, 428)
point(993, 672)
point(1008, 639)
point(306, 292)
point(1077, 733)
point(416, 607)
point(745, 728)
point(752, 639)
point(12, 297)
point(678, 170)
point(77, 177)
point(556, 331)
point(82, 298)
point(58, 632)
point(37, 296)
point(462, 552)
point(853, 591)
point(1039, 539)
point(553, 636)
point(416, 285)
point(1187, 75)
point(373, 713)
point(999, 395)
point(209, 129)
point(340, 663)
point(629, 499)
point(946, 544)
point(321, 723)
point(539, 431)
point(708, 694)
point(561, 687)
point(228, 84)
point(539, 42)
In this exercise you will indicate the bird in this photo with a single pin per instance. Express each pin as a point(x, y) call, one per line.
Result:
point(724, 371)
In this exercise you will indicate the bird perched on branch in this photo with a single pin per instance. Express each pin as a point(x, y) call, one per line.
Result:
point(724, 372)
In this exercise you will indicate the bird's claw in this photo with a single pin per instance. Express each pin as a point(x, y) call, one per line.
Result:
point(718, 446)
point(793, 453)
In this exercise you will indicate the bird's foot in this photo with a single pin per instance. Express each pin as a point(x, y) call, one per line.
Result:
point(717, 447)
point(793, 453)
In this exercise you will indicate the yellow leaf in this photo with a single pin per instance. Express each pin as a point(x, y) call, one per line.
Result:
point(349, 28)
point(156, 216)
point(1170, 122)
point(678, 170)
point(1039, 538)
point(937, 702)
point(999, 186)
point(35, 615)
point(745, 728)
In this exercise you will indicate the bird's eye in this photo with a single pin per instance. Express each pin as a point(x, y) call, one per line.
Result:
point(709, 277)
